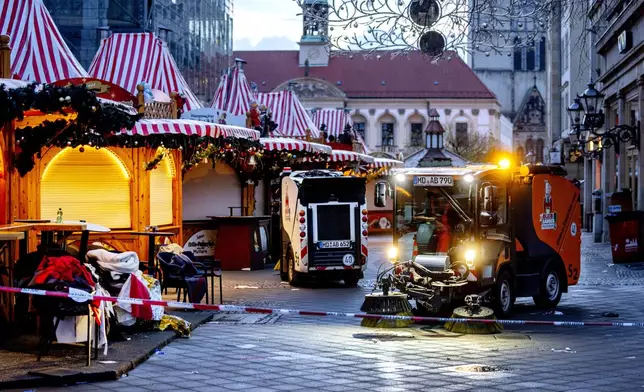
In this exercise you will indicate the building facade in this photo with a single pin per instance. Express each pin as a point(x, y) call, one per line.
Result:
point(618, 49)
point(388, 97)
point(569, 70)
point(512, 74)
point(198, 32)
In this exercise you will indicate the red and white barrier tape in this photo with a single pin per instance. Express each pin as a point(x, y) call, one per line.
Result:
point(83, 296)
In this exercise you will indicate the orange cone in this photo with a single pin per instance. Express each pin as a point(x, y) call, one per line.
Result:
point(414, 252)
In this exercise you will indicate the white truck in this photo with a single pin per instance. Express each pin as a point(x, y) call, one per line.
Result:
point(324, 226)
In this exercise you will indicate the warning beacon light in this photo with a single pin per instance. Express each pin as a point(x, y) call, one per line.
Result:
point(504, 163)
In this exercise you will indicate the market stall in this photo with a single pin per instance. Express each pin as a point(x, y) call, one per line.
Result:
point(74, 161)
point(131, 58)
point(127, 180)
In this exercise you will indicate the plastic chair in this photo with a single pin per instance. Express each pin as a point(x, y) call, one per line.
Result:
point(212, 270)
point(172, 276)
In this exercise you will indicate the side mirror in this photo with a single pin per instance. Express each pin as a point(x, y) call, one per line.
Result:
point(488, 216)
point(490, 201)
point(381, 193)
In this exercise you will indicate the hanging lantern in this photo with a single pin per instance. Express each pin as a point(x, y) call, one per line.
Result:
point(424, 12)
point(432, 43)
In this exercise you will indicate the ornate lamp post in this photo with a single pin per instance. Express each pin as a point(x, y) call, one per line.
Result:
point(587, 122)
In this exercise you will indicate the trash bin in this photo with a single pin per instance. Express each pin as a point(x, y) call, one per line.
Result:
point(621, 201)
point(625, 236)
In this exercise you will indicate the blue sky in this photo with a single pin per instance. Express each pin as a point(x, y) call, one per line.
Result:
point(266, 25)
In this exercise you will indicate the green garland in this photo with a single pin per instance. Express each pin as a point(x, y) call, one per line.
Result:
point(98, 125)
point(95, 124)
point(157, 159)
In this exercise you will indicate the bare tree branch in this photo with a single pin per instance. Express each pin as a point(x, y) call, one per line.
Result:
point(489, 26)
point(474, 147)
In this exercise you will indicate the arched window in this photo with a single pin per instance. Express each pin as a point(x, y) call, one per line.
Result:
point(518, 62)
point(92, 185)
point(540, 146)
point(387, 134)
point(460, 133)
point(360, 126)
point(542, 54)
point(161, 192)
point(417, 131)
point(530, 54)
point(387, 130)
point(529, 146)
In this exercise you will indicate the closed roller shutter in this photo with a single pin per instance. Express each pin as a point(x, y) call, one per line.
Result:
point(161, 193)
point(93, 185)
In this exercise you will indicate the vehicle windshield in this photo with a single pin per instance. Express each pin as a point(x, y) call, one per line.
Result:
point(438, 216)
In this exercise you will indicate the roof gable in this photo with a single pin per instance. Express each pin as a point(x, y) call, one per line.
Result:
point(309, 88)
point(531, 116)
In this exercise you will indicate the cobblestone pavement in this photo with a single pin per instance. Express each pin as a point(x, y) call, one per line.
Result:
point(598, 268)
point(289, 353)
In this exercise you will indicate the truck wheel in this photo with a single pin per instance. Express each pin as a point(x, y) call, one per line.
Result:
point(293, 276)
point(351, 279)
point(549, 289)
point(504, 294)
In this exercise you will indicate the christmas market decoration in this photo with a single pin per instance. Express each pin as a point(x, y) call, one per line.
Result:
point(162, 153)
point(84, 119)
point(393, 28)
point(232, 151)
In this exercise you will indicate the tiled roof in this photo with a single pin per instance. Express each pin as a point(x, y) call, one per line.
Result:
point(405, 76)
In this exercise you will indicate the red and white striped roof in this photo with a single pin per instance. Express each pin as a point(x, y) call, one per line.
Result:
point(387, 163)
point(130, 59)
point(289, 114)
point(350, 156)
point(38, 51)
point(190, 128)
point(233, 95)
point(219, 100)
point(334, 119)
point(286, 144)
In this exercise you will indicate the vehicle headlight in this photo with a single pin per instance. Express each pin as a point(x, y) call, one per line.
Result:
point(392, 253)
point(470, 254)
point(400, 177)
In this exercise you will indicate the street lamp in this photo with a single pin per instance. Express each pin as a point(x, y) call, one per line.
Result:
point(589, 132)
point(594, 117)
point(575, 111)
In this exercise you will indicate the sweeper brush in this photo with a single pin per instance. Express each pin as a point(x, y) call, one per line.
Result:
point(473, 311)
point(386, 304)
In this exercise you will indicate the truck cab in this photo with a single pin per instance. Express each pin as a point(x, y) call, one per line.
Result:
point(324, 226)
point(483, 229)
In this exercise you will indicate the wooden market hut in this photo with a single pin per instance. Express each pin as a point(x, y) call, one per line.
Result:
point(211, 187)
point(125, 188)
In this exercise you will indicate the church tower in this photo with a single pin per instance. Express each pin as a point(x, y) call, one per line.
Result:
point(314, 44)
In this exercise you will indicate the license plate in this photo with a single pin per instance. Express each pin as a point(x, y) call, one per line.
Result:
point(334, 244)
point(433, 181)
